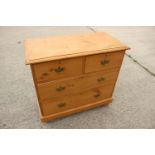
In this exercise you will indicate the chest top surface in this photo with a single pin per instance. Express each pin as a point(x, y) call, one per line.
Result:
point(52, 48)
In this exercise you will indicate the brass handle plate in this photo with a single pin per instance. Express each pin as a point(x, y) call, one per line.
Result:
point(60, 105)
point(59, 69)
point(97, 95)
point(104, 62)
point(101, 79)
point(61, 88)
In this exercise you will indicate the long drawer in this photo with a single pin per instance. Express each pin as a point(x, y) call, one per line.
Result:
point(51, 106)
point(71, 86)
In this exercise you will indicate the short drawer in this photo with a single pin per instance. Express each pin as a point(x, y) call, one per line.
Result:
point(51, 106)
point(76, 85)
point(103, 61)
point(57, 69)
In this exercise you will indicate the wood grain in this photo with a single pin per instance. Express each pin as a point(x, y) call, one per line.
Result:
point(76, 110)
point(52, 70)
point(74, 73)
point(61, 88)
point(103, 61)
point(51, 106)
point(52, 48)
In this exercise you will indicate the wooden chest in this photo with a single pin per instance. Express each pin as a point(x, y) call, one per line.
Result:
point(74, 73)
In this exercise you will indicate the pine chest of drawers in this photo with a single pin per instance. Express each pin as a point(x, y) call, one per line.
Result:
point(74, 73)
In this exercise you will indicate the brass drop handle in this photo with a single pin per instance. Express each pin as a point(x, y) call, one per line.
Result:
point(100, 79)
point(104, 62)
point(97, 94)
point(59, 69)
point(60, 88)
point(60, 105)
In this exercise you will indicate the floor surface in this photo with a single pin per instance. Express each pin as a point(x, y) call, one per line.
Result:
point(134, 96)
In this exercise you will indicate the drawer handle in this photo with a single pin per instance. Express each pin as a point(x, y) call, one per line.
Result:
point(60, 105)
point(59, 69)
point(104, 62)
point(60, 89)
point(97, 95)
point(100, 79)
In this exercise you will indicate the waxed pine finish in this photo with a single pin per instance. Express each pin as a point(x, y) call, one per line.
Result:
point(74, 73)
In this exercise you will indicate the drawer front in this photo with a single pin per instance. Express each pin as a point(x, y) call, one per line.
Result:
point(57, 69)
point(103, 61)
point(51, 106)
point(66, 87)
